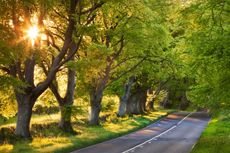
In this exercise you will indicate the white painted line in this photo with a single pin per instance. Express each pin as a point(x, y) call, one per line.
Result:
point(184, 119)
point(149, 140)
point(154, 138)
point(111, 140)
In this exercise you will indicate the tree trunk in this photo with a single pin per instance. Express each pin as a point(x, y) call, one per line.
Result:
point(125, 97)
point(24, 114)
point(122, 107)
point(150, 105)
point(167, 102)
point(137, 102)
point(66, 106)
point(95, 104)
point(65, 120)
point(94, 114)
point(184, 102)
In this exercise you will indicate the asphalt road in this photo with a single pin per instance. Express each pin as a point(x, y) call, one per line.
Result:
point(176, 133)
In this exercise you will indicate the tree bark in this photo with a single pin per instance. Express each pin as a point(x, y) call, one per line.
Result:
point(65, 120)
point(137, 102)
point(167, 102)
point(25, 104)
point(150, 105)
point(125, 97)
point(66, 107)
point(95, 103)
point(184, 102)
point(66, 103)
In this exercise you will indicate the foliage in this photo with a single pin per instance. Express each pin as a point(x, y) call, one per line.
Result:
point(8, 107)
point(208, 47)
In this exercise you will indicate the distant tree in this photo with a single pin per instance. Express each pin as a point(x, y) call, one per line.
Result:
point(207, 41)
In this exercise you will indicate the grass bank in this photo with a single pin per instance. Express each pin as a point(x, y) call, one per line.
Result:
point(216, 137)
point(47, 137)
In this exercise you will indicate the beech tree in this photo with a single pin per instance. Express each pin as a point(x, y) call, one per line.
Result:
point(18, 17)
point(115, 48)
point(85, 17)
point(206, 46)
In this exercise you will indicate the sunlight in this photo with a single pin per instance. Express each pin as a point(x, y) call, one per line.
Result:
point(32, 33)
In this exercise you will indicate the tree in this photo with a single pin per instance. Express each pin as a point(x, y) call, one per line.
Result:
point(154, 68)
point(85, 17)
point(19, 17)
point(126, 95)
point(208, 46)
point(110, 49)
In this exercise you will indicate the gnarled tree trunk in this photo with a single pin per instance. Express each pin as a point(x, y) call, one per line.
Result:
point(66, 103)
point(137, 102)
point(25, 105)
point(95, 106)
point(123, 99)
point(65, 119)
point(150, 103)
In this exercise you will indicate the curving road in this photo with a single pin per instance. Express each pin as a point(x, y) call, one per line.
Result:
point(176, 133)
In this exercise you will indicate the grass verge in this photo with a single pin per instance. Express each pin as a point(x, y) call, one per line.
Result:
point(47, 137)
point(216, 137)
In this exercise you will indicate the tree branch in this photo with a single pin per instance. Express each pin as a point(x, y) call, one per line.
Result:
point(73, 49)
point(52, 86)
point(98, 5)
point(60, 15)
point(124, 73)
point(41, 87)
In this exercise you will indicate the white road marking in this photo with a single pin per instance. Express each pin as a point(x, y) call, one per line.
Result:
point(155, 138)
point(184, 119)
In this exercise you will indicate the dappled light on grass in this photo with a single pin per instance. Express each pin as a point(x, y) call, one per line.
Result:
point(37, 119)
point(50, 144)
point(6, 148)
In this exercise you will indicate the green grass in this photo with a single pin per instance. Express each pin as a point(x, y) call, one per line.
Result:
point(216, 137)
point(47, 137)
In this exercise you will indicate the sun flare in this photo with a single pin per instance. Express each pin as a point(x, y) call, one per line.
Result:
point(33, 32)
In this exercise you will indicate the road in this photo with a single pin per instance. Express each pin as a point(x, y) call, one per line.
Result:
point(176, 133)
